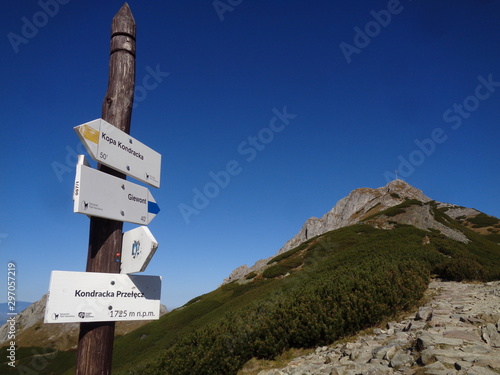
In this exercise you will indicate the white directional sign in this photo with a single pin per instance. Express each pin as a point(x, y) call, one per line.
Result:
point(100, 194)
point(109, 145)
point(138, 248)
point(100, 297)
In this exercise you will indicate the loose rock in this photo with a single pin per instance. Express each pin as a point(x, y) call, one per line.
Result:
point(424, 313)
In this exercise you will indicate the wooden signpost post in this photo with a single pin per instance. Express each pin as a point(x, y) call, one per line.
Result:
point(106, 292)
point(95, 342)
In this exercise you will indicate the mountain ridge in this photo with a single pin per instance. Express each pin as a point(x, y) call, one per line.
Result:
point(362, 204)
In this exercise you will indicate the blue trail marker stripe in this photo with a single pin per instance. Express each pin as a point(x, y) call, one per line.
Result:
point(153, 208)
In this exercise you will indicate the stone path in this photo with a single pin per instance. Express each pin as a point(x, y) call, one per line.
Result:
point(456, 333)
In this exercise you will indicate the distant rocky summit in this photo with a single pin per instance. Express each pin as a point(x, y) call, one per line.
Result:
point(368, 205)
point(5, 309)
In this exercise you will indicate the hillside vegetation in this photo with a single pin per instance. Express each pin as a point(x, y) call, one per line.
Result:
point(336, 284)
point(329, 287)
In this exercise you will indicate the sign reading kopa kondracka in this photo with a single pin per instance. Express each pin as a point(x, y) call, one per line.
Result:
point(99, 297)
point(110, 146)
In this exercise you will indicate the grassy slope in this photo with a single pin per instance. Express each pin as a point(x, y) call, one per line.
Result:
point(320, 256)
point(343, 250)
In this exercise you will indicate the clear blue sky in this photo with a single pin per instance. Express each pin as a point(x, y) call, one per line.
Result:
point(303, 101)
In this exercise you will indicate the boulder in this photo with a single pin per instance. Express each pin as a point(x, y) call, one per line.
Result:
point(381, 351)
point(426, 341)
point(401, 359)
point(436, 366)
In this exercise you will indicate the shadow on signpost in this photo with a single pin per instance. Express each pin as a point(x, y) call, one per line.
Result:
point(143, 285)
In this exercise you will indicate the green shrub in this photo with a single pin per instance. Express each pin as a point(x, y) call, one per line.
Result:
point(462, 270)
point(251, 275)
point(411, 202)
point(398, 209)
point(289, 253)
point(292, 263)
point(393, 211)
point(275, 271)
point(483, 220)
point(230, 286)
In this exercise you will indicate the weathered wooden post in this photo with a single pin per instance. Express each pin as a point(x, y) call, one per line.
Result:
point(95, 343)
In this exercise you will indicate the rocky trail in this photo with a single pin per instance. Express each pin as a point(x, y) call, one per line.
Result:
point(455, 333)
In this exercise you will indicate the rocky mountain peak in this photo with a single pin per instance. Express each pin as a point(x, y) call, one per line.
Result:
point(405, 190)
point(358, 205)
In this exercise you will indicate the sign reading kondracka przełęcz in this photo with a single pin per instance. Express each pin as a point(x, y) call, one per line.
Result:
point(99, 297)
